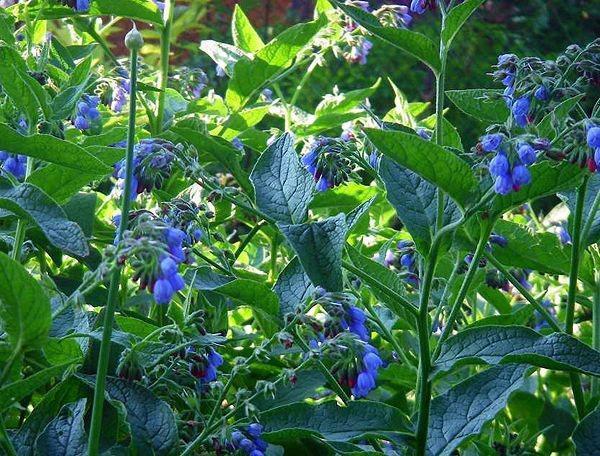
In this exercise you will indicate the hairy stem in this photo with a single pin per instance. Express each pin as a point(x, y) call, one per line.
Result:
point(109, 311)
point(573, 277)
point(165, 51)
point(596, 329)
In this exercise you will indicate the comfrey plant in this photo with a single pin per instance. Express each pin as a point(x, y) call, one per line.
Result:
point(205, 263)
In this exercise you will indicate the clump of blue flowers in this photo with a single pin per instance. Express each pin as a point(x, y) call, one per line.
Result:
point(87, 116)
point(13, 163)
point(326, 160)
point(203, 365)
point(250, 440)
point(153, 162)
point(404, 260)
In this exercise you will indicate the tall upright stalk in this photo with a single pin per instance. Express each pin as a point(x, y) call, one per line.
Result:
point(573, 278)
point(109, 311)
point(165, 51)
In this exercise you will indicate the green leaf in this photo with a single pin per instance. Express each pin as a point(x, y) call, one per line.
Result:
point(546, 126)
point(546, 179)
point(283, 187)
point(542, 252)
point(586, 436)
point(223, 54)
point(143, 10)
point(65, 435)
point(211, 148)
point(344, 102)
point(319, 247)
point(24, 91)
point(250, 75)
point(24, 308)
point(472, 102)
point(293, 286)
point(433, 163)
point(62, 183)
point(307, 381)
point(152, 422)
point(7, 26)
point(415, 201)
point(64, 103)
point(332, 422)
point(464, 409)
point(359, 213)
point(413, 43)
point(456, 19)
point(31, 203)
point(263, 301)
point(244, 35)
point(50, 149)
point(517, 344)
point(14, 392)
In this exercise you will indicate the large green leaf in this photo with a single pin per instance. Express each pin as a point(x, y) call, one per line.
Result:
point(586, 436)
point(319, 247)
point(332, 422)
point(415, 201)
point(456, 19)
point(415, 44)
point(464, 409)
point(518, 344)
point(24, 307)
point(305, 385)
point(60, 183)
point(473, 103)
point(65, 435)
point(144, 10)
point(223, 54)
point(152, 422)
point(29, 202)
point(211, 148)
point(7, 27)
point(24, 91)
point(250, 75)
point(244, 35)
point(14, 392)
point(259, 297)
point(50, 149)
point(431, 162)
point(283, 187)
point(293, 286)
point(546, 179)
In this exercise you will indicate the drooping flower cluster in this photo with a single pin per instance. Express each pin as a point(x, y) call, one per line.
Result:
point(203, 365)
point(87, 116)
point(327, 161)
point(421, 6)
point(404, 260)
point(347, 338)
point(509, 170)
point(593, 142)
point(153, 163)
point(189, 217)
point(154, 250)
point(120, 90)
point(250, 440)
point(397, 16)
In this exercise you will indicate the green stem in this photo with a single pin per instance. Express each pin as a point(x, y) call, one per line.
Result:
point(109, 311)
point(440, 82)
point(165, 51)
point(521, 289)
point(248, 239)
point(9, 364)
point(596, 329)
point(303, 81)
point(486, 229)
point(573, 277)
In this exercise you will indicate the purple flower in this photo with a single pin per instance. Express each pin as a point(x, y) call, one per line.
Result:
point(521, 175)
point(372, 362)
point(520, 110)
point(82, 5)
point(374, 159)
point(87, 115)
point(357, 322)
point(359, 52)
point(597, 156)
point(323, 184)
point(527, 154)
point(364, 384)
point(503, 184)
point(498, 240)
point(490, 143)
point(499, 165)
point(163, 291)
point(14, 164)
point(563, 235)
point(542, 93)
point(423, 134)
point(593, 137)
point(407, 260)
point(418, 6)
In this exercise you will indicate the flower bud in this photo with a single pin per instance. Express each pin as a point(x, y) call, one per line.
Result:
point(133, 39)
